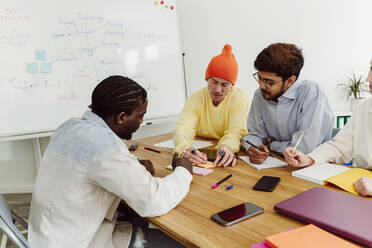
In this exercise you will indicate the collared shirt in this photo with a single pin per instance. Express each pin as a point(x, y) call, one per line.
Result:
point(354, 141)
point(85, 172)
point(302, 108)
point(225, 122)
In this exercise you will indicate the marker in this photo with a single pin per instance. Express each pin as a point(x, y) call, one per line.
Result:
point(229, 187)
point(223, 180)
point(348, 164)
point(150, 149)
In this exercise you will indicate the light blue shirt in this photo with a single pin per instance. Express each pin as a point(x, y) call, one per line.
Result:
point(302, 108)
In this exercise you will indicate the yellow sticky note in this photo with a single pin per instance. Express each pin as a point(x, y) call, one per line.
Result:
point(347, 179)
point(207, 165)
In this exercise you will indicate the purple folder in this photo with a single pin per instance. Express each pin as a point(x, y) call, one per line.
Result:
point(341, 213)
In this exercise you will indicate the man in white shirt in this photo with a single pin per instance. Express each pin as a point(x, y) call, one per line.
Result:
point(353, 142)
point(87, 170)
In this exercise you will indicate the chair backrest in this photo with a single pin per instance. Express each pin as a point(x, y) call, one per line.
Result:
point(7, 226)
point(335, 131)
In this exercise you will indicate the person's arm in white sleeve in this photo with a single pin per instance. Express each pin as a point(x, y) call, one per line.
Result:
point(121, 174)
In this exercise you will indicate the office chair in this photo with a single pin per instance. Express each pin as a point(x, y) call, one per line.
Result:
point(7, 220)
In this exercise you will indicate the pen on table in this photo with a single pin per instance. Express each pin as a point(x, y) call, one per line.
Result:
point(229, 187)
point(150, 149)
point(193, 146)
point(223, 180)
point(298, 142)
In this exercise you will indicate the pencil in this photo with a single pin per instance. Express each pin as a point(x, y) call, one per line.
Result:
point(193, 146)
point(298, 142)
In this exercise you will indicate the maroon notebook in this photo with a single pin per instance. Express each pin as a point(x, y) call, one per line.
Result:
point(341, 213)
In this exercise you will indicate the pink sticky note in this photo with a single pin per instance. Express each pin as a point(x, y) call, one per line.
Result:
point(201, 171)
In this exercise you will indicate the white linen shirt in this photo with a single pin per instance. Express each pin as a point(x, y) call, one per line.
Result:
point(354, 141)
point(85, 172)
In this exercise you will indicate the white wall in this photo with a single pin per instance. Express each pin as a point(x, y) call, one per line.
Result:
point(335, 36)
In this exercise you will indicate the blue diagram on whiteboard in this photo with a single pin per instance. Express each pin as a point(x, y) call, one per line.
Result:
point(33, 67)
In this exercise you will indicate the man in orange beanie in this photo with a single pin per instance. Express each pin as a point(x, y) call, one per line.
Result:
point(218, 111)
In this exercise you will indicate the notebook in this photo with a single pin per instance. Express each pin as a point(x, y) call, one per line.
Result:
point(343, 214)
point(309, 236)
point(347, 179)
point(319, 172)
point(270, 162)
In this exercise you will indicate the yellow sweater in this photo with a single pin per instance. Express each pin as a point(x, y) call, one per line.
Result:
point(226, 122)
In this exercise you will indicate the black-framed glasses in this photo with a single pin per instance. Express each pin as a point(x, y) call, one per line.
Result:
point(267, 83)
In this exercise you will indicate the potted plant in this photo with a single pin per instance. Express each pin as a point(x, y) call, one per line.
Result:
point(353, 89)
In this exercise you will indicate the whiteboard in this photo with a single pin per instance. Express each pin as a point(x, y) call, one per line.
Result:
point(53, 54)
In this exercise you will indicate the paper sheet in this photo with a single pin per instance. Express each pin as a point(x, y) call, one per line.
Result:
point(347, 179)
point(198, 143)
point(270, 162)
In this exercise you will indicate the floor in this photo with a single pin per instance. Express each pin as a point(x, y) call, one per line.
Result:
point(20, 204)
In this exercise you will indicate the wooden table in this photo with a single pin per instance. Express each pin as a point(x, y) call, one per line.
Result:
point(190, 223)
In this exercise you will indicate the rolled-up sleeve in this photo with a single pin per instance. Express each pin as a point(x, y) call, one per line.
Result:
point(149, 196)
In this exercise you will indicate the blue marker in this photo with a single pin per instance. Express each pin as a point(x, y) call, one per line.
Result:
point(349, 164)
point(229, 187)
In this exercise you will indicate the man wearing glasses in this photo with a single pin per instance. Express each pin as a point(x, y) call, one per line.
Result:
point(283, 107)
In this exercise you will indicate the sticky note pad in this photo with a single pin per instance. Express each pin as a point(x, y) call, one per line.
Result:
point(46, 68)
point(201, 171)
point(32, 67)
point(207, 165)
point(40, 55)
point(307, 237)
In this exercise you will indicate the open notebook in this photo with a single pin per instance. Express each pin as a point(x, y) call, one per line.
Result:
point(319, 172)
point(270, 162)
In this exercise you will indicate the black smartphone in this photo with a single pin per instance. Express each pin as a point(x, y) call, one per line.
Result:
point(211, 154)
point(266, 183)
point(238, 213)
point(133, 147)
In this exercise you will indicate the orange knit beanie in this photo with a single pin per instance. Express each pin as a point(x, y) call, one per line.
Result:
point(223, 66)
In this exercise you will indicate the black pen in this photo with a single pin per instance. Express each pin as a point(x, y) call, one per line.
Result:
point(223, 180)
point(259, 148)
point(150, 149)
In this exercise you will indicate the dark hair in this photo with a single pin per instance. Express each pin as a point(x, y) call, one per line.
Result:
point(283, 59)
point(116, 94)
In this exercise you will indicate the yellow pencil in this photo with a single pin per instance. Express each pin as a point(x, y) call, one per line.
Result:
point(298, 142)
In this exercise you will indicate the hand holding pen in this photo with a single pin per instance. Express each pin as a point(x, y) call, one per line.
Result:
point(258, 154)
point(195, 156)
